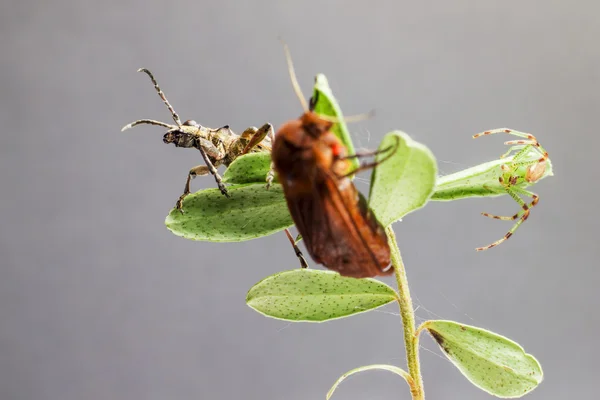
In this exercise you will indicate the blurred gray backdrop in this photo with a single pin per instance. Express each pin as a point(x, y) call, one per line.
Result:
point(99, 301)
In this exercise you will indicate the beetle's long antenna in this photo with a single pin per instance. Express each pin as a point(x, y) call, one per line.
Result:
point(295, 85)
point(162, 96)
point(146, 121)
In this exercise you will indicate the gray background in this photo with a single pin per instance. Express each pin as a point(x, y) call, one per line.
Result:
point(99, 301)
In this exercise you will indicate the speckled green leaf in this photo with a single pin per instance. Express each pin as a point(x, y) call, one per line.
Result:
point(312, 295)
point(249, 168)
point(491, 362)
point(404, 182)
point(252, 211)
point(327, 105)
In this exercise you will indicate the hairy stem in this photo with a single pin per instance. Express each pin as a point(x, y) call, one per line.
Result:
point(411, 340)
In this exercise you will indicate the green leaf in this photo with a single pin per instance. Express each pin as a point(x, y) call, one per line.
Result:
point(249, 168)
point(404, 182)
point(482, 180)
point(327, 105)
point(491, 362)
point(384, 367)
point(312, 295)
point(252, 211)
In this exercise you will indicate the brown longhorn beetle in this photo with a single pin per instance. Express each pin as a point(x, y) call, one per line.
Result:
point(217, 146)
point(334, 221)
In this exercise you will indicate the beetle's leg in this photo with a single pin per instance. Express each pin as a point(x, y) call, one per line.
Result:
point(303, 263)
point(256, 136)
point(206, 147)
point(199, 170)
point(210, 149)
point(261, 133)
point(270, 176)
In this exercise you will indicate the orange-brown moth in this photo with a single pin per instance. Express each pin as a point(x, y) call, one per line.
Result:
point(334, 220)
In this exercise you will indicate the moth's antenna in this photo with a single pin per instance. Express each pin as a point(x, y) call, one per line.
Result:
point(162, 96)
point(295, 85)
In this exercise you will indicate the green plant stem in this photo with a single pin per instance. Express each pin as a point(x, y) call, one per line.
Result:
point(411, 340)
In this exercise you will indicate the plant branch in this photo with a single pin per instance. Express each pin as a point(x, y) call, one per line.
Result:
point(411, 340)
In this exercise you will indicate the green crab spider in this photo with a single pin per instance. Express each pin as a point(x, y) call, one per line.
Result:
point(511, 175)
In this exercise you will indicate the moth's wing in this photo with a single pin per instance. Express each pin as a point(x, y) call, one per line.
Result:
point(363, 248)
point(338, 229)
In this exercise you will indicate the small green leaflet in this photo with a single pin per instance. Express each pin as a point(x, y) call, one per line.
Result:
point(327, 105)
point(252, 211)
point(310, 295)
point(249, 168)
point(404, 182)
point(491, 362)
